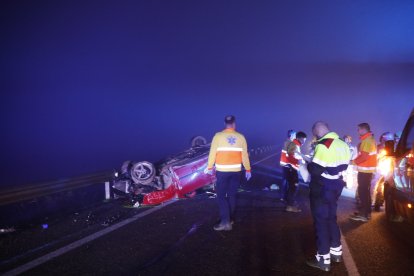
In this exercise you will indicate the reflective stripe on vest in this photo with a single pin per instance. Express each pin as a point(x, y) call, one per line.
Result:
point(330, 164)
point(218, 166)
point(229, 149)
point(367, 169)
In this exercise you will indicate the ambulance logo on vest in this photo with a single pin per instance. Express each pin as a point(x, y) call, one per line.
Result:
point(231, 140)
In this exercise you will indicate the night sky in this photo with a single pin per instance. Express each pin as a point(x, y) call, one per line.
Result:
point(86, 85)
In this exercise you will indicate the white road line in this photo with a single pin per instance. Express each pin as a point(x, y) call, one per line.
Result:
point(264, 159)
point(84, 240)
point(348, 260)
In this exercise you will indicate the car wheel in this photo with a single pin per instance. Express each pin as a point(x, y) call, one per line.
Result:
point(379, 195)
point(142, 172)
point(379, 201)
point(389, 207)
point(197, 141)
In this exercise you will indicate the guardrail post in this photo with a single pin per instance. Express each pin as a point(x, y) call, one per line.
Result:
point(107, 191)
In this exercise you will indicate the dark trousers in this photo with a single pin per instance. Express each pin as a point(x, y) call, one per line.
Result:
point(364, 192)
point(285, 186)
point(226, 188)
point(292, 180)
point(324, 203)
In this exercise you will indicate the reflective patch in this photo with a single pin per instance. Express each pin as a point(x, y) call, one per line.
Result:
point(218, 166)
point(336, 251)
point(328, 176)
point(366, 168)
point(231, 140)
point(229, 149)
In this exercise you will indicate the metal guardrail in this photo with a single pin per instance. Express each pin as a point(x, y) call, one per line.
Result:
point(23, 193)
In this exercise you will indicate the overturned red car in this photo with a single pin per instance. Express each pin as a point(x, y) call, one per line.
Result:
point(178, 176)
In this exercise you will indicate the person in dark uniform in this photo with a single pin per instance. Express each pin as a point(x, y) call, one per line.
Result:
point(330, 160)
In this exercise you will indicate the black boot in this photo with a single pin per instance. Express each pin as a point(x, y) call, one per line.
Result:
point(321, 264)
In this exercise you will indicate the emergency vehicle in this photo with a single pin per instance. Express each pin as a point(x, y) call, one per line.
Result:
point(399, 182)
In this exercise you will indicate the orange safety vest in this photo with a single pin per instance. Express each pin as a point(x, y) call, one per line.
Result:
point(369, 146)
point(228, 152)
point(289, 158)
point(283, 155)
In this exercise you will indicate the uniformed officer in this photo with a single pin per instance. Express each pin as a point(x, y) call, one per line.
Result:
point(284, 163)
point(294, 160)
point(331, 158)
point(366, 163)
point(228, 152)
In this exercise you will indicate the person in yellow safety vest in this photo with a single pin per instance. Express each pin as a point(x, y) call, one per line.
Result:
point(330, 160)
point(284, 163)
point(228, 152)
point(292, 177)
point(366, 163)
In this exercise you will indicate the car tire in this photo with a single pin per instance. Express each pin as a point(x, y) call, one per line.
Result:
point(389, 207)
point(197, 141)
point(142, 172)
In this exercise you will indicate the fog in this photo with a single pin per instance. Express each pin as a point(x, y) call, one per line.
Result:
point(87, 85)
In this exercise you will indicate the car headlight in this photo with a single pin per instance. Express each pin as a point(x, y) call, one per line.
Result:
point(384, 166)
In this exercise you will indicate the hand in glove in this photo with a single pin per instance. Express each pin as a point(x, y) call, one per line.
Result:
point(248, 175)
point(208, 171)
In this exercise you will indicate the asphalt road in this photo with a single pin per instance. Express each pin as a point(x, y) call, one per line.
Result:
point(179, 239)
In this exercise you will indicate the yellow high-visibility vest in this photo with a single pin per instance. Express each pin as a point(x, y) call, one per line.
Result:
point(228, 152)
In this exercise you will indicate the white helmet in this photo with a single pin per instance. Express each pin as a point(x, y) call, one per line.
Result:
point(291, 134)
point(386, 136)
